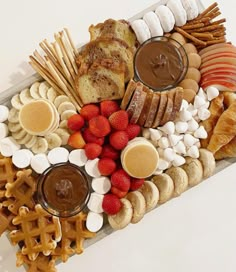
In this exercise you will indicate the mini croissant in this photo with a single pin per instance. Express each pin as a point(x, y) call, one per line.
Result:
point(227, 151)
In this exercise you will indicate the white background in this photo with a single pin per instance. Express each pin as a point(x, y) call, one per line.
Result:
point(192, 233)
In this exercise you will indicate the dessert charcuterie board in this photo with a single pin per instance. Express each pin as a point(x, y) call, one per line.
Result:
point(169, 127)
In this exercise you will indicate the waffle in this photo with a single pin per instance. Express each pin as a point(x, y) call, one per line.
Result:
point(74, 233)
point(41, 264)
point(20, 192)
point(38, 231)
point(6, 220)
point(7, 174)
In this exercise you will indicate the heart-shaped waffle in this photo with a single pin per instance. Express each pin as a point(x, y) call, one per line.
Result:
point(74, 232)
point(38, 231)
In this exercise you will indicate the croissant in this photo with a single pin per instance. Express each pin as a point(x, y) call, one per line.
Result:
point(216, 109)
point(225, 129)
point(229, 98)
point(227, 151)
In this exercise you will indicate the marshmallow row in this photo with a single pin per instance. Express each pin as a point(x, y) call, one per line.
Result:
point(176, 140)
point(164, 18)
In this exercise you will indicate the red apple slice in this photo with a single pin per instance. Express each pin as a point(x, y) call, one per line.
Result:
point(219, 55)
point(217, 66)
point(221, 70)
point(216, 79)
point(221, 85)
point(220, 60)
point(214, 46)
point(231, 49)
point(220, 74)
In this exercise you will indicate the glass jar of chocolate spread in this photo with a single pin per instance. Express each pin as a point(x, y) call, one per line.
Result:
point(63, 190)
point(160, 63)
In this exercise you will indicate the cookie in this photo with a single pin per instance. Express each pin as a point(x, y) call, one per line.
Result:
point(194, 60)
point(194, 74)
point(208, 162)
point(189, 84)
point(194, 171)
point(190, 48)
point(138, 203)
point(151, 194)
point(178, 37)
point(189, 95)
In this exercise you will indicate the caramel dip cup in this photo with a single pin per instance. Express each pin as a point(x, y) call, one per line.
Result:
point(160, 63)
point(63, 190)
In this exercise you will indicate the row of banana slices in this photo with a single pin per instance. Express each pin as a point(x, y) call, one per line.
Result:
point(65, 109)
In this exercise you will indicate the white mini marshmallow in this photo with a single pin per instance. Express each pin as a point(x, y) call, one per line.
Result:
point(155, 134)
point(181, 127)
point(4, 113)
point(212, 93)
point(8, 146)
point(94, 221)
point(169, 154)
point(95, 203)
point(146, 133)
point(78, 157)
point(174, 139)
point(202, 94)
point(22, 158)
point(101, 185)
point(198, 102)
point(163, 164)
point(193, 152)
point(58, 155)
point(184, 105)
point(180, 148)
point(3, 131)
point(189, 140)
point(168, 128)
point(178, 160)
point(192, 109)
point(204, 114)
point(185, 115)
point(39, 163)
point(192, 125)
point(164, 142)
point(91, 167)
point(200, 133)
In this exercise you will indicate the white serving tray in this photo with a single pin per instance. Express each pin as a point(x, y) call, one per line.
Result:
point(6, 95)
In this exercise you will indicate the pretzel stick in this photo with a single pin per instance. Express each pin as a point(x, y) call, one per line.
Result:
point(221, 40)
point(221, 21)
point(215, 15)
point(214, 11)
point(209, 9)
point(190, 37)
point(50, 47)
point(219, 34)
point(193, 26)
point(203, 36)
point(206, 28)
point(71, 42)
point(39, 58)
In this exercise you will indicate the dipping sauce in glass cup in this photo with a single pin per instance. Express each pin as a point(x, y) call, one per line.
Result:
point(160, 63)
point(63, 190)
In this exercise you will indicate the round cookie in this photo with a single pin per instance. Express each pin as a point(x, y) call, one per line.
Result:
point(208, 162)
point(139, 205)
point(194, 60)
point(194, 170)
point(194, 74)
point(178, 37)
point(150, 193)
point(189, 84)
point(189, 95)
point(179, 178)
point(190, 48)
point(165, 186)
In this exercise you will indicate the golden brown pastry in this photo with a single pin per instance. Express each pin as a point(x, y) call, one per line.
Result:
point(227, 151)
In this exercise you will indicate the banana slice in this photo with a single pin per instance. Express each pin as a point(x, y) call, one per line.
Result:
point(41, 146)
point(151, 194)
point(26, 139)
point(21, 158)
point(66, 106)
point(43, 89)
point(63, 124)
point(54, 140)
point(19, 134)
point(165, 186)
point(34, 90)
point(14, 127)
point(67, 114)
point(139, 205)
point(63, 134)
point(123, 217)
point(51, 94)
point(31, 142)
point(13, 116)
point(60, 99)
point(26, 97)
point(16, 102)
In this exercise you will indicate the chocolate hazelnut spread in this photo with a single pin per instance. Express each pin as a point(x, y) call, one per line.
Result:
point(159, 64)
point(64, 189)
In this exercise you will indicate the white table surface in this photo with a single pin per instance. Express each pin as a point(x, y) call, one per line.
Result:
point(195, 232)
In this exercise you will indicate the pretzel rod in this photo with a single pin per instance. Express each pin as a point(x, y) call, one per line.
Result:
point(221, 40)
point(47, 51)
point(39, 58)
point(50, 47)
point(190, 37)
point(205, 28)
point(209, 9)
point(69, 52)
point(71, 41)
point(60, 81)
point(203, 36)
point(193, 26)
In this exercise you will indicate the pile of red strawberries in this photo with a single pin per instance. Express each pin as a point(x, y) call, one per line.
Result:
point(103, 130)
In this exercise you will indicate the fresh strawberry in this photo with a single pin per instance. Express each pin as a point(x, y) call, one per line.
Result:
point(89, 111)
point(75, 122)
point(92, 150)
point(108, 107)
point(76, 140)
point(121, 180)
point(118, 192)
point(90, 138)
point(136, 184)
point(133, 130)
point(119, 139)
point(99, 126)
point(110, 152)
point(111, 204)
point(106, 166)
point(119, 120)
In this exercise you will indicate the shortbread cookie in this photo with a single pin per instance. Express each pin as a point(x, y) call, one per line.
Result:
point(194, 170)
point(139, 205)
point(178, 37)
point(189, 84)
point(165, 186)
point(190, 48)
point(194, 60)
point(189, 95)
point(208, 162)
point(193, 73)
point(151, 194)
point(179, 178)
